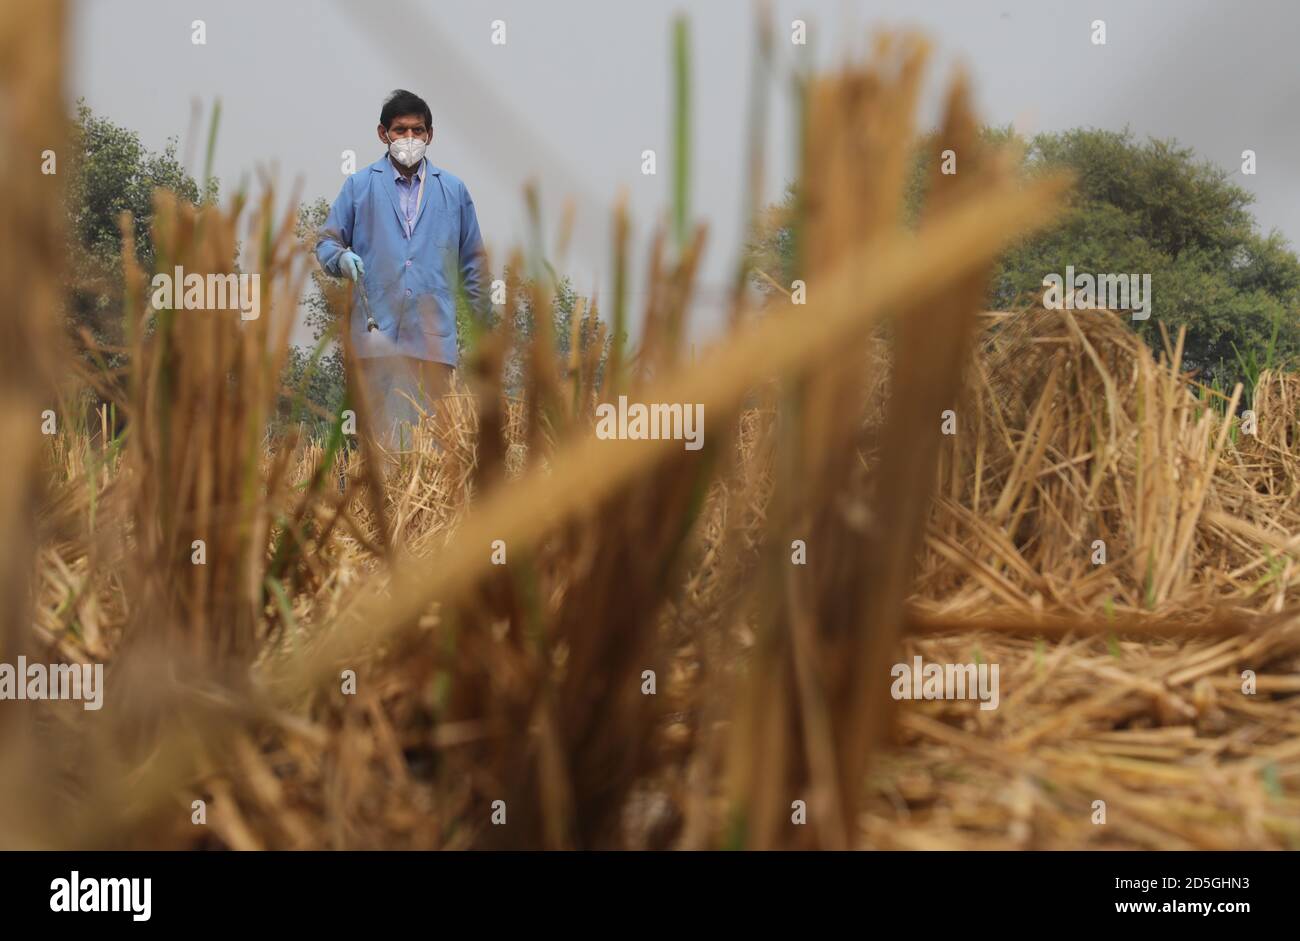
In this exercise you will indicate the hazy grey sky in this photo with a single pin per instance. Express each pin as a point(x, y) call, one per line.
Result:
point(582, 87)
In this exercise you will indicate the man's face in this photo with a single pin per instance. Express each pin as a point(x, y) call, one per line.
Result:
point(409, 125)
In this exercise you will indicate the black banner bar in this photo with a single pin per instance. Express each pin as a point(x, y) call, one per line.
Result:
point(335, 890)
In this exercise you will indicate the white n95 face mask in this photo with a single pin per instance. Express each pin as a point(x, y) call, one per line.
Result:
point(408, 151)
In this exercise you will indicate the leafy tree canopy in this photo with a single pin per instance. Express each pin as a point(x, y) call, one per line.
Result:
point(1139, 207)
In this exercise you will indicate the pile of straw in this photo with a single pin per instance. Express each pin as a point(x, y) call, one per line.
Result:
point(353, 669)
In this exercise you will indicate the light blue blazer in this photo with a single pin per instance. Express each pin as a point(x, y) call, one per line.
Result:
point(410, 282)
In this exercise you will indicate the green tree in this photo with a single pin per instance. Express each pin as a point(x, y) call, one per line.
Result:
point(1144, 207)
point(564, 303)
point(316, 374)
point(112, 172)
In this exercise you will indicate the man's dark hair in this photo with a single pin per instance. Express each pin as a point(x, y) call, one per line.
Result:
point(403, 102)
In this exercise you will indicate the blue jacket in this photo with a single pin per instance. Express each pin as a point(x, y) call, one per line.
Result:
point(410, 282)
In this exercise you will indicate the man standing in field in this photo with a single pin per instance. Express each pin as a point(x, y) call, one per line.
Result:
point(406, 232)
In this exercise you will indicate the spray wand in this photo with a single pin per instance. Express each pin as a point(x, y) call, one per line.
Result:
point(371, 326)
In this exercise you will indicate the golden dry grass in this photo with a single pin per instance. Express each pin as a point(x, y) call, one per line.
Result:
point(523, 682)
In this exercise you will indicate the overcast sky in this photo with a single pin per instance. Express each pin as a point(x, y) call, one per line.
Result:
point(582, 87)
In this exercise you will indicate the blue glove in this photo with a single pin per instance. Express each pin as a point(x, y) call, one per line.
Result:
point(350, 265)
